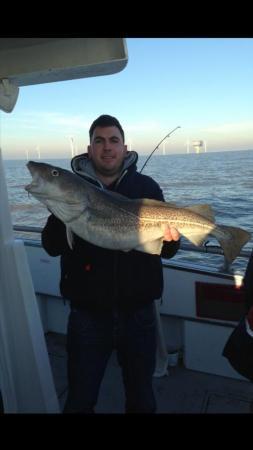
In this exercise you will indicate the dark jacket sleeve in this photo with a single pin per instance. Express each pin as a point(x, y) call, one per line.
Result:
point(53, 237)
point(169, 249)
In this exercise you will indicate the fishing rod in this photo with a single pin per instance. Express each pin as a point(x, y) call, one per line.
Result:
point(167, 135)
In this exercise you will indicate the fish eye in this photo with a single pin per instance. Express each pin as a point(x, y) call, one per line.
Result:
point(55, 172)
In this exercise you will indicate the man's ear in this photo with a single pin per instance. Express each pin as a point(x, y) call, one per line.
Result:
point(89, 151)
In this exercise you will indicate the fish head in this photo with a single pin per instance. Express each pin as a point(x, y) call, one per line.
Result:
point(53, 185)
point(49, 181)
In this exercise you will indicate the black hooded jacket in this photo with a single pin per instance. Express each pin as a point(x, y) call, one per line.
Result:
point(248, 284)
point(99, 279)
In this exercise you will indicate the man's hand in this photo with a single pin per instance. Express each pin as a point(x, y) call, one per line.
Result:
point(171, 234)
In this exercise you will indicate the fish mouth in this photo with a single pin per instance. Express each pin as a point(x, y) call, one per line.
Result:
point(35, 177)
point(31, 186)
point(31, 166)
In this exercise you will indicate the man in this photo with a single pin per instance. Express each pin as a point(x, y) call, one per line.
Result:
point(239, 346)
point(111, 292)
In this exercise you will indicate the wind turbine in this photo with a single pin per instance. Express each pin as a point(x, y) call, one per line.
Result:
point(71, 140)
point(38, 151)
point(188, 145)
point(130, 144)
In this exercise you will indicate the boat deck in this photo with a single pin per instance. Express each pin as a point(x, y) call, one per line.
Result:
point(183, 391)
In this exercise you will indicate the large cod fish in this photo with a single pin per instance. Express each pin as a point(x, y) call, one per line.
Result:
point(113, 221)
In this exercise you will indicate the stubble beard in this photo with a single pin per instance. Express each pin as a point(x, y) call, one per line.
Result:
point(106, 171)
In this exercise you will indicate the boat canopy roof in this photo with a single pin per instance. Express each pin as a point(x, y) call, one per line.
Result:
point(27, 61)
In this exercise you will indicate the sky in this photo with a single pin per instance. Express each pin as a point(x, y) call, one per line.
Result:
point(203, 85)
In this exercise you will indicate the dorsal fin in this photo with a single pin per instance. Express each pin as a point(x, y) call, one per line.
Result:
point(141, 201)
point(203, 210)
point(152, 202)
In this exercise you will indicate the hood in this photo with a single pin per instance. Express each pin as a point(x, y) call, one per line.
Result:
point(82, 165)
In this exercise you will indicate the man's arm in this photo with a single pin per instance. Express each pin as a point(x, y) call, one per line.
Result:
point(53, 237)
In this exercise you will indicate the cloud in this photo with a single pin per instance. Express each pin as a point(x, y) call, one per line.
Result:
point(42, 120)
point(71, 123)
point(146, 126)
point(231, 127)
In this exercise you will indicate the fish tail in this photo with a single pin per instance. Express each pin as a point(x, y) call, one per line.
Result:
point(232, 242)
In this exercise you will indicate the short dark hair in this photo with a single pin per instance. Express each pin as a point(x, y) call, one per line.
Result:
point(106, 121)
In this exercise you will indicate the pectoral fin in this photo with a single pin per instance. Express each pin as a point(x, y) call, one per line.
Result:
point(70, 237)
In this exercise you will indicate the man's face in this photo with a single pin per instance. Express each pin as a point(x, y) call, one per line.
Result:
point(107, 150)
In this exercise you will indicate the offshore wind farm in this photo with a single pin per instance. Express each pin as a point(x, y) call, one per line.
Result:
point(197, 146)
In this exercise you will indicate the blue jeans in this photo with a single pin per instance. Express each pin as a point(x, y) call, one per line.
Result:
point(91, 339)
